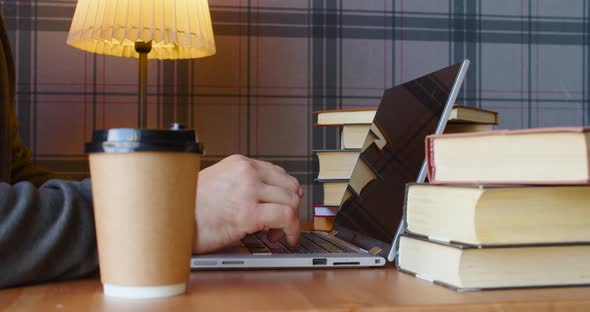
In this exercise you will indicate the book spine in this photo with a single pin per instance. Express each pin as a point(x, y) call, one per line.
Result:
point(430, 167)
point(511, 182)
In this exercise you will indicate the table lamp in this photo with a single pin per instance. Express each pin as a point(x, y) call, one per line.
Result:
point(144, 29)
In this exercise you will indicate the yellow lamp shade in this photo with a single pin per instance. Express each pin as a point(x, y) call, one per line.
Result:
point(178, 29)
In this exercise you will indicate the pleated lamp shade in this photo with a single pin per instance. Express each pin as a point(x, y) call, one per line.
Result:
point(178, 29)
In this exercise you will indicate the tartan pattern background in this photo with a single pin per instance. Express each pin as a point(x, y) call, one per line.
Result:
point(278, 61)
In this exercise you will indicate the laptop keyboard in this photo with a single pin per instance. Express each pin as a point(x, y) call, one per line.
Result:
point(309, 242)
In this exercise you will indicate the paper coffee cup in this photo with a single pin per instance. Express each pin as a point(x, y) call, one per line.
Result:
point(144, 189)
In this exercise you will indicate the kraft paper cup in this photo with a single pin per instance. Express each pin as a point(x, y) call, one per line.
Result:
point(144, 189)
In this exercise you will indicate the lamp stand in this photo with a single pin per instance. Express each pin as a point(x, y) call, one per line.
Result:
point(143, 48)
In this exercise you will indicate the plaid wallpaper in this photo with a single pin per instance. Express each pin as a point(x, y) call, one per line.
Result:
point(278, 61)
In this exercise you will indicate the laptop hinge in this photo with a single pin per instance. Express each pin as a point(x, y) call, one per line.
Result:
point(375, 251)
point(373, 246)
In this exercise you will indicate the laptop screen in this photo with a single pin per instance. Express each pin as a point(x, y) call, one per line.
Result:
point(392, 156)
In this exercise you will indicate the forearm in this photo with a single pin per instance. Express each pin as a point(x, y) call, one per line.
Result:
point(46, 233)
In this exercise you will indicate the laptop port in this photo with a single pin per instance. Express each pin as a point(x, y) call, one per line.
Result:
point(204, 262)
point(320, 261)
point(347, 263)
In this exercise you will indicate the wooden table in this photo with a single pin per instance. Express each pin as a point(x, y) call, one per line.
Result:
point(382, 289)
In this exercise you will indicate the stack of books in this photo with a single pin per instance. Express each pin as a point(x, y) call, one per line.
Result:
point(323, 217)
point(336, 166)
point(470, 119)
point(504, 209)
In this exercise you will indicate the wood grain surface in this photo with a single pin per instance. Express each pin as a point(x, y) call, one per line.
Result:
point(381, 289)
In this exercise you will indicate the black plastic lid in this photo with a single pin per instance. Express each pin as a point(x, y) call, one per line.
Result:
point(124, 140)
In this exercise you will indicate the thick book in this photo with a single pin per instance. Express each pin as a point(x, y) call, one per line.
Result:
point(323, 217)
point(365, 116)
point(470, 114)
point(353, 136)
point(468, 127)
point(532, 156)
point(338, 117)
point(333, 191)
point(464, 267)
point(336, 164)
point(356, 123)
point(496, 215)
point(323, 223)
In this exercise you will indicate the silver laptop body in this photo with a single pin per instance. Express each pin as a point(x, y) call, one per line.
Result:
point(369, 220)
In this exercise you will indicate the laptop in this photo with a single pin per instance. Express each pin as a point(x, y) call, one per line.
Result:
point(369, 220)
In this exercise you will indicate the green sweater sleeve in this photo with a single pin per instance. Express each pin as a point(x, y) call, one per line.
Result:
point(46, 224)
point(46, 233)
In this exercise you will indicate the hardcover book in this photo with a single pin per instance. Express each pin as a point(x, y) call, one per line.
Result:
point(469, 114)
point(531, 156)
point(353, 136)
point(459, 114)
point(323, 223)
point(340, 117)
point(333, 191)
point(497, 215)
point(355, 123)
point(323, 217)
point(336, 164)
point(468, 127)
point(464, 267)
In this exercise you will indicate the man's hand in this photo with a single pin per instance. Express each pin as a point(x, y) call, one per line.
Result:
point(240, 196)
